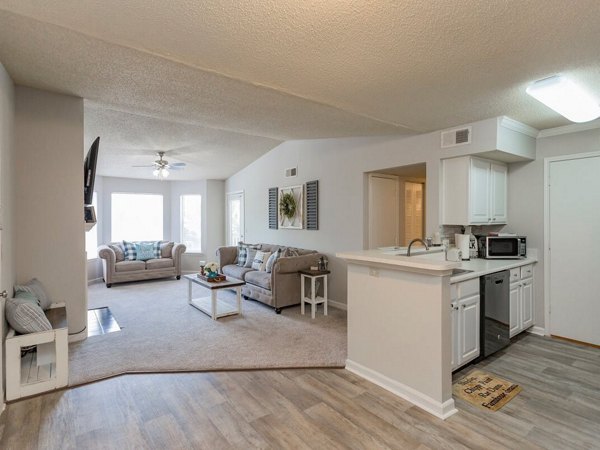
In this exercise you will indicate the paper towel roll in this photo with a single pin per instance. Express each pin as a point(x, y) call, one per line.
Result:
point(462, 243)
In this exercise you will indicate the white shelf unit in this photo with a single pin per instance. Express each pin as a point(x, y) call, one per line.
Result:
point(48, 368)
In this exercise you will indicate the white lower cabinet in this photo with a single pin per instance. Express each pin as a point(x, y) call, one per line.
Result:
point(465, 319)
point(521, 301)
point(468, 324)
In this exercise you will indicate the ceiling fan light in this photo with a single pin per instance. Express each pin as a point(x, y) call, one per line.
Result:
point(566, 98)
point(156, 172)
point(165, 173)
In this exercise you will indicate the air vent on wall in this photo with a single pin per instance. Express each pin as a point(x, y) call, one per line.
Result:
point(458, 136)
point(291, 172)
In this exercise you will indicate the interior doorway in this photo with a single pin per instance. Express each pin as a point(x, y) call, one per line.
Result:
point(396, 205)
point(235, 217)
point(573, 218)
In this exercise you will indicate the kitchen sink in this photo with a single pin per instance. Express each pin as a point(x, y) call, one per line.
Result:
point(460, 271)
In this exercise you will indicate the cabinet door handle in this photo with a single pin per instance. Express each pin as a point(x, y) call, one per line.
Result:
point(494, 218)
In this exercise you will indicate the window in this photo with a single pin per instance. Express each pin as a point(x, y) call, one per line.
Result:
point(136, 217)
point(91, 237)
point(191, 214)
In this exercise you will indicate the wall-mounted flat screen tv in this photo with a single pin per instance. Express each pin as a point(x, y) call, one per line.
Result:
point(89, 172)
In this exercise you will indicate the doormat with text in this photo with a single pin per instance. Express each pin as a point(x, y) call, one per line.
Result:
point(485, 390)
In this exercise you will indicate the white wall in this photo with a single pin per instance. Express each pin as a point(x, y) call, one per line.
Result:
point(49, 197)
point(7, 194)
point(526, 197)
point(340, 166)
point(215, 214)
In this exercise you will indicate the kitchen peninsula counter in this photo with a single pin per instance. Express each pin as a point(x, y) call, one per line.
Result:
point(399, 328)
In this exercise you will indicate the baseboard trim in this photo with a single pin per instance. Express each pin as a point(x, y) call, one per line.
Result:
point(95, 281)
point(440, 410)
point(539, 331)
point(338, 305)
point(78, 336)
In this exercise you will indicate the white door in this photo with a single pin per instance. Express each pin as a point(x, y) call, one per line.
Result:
point(413, 211)
point(235, 217)
point(384, 210)
point(479, 191)
point(498, 185)
point(574, 246)
point(469, 328)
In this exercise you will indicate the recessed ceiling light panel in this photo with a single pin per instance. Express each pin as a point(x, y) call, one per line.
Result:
point(566, 98)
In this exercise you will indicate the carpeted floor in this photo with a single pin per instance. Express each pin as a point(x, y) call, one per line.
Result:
point(161, 332)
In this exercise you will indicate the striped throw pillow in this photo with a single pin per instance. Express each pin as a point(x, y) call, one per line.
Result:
point(129, 251)
point(260, 260)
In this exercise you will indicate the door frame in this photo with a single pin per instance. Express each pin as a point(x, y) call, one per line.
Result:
point(227, 215)
point(547, 161)
point(370, 205)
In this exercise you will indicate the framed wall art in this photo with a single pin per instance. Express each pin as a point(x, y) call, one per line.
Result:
point(291, 207)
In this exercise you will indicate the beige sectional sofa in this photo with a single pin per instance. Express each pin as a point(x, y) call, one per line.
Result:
point(120, 271)
point(280, 287)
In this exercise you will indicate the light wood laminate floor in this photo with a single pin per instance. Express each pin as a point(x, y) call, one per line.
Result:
point(559, 407)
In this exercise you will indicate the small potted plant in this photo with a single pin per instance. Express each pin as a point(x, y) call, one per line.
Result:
point(211, 270)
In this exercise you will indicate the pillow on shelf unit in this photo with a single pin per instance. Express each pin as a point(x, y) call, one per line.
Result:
point(144, 251)
point(260, 260)
point(129, 251)
point(35, 288)
point(119, 253)
point(25, 315)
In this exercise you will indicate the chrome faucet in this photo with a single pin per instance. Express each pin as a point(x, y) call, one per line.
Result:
point(416, 240)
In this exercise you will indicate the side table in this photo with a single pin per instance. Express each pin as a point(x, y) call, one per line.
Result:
point(314, 300)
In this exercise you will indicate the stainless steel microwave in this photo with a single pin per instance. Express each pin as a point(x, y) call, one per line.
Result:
point(502, 247)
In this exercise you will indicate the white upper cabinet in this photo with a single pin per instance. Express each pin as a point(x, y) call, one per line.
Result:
point(473, 191)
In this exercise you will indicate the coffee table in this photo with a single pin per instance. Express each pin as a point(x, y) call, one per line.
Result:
point(210, 305)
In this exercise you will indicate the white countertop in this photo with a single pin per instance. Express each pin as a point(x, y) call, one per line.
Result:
point(434, 262)
point(482, 267)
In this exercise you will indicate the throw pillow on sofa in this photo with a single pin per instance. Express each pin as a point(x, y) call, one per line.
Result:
point(243, 256)
point(166, 249)
point(129, 250)
point(25, 315)
point(273, 259)
point(119, 253)
point(260, 260)
point(35, 288)
point(250, 257)
point(144, 251)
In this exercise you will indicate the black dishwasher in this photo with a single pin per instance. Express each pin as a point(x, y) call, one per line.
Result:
point(495, 312)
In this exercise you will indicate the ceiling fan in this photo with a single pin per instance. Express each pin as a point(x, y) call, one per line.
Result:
point(162, 166)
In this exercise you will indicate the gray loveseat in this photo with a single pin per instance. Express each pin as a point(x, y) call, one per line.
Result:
point(280, 287)
point(117, 270)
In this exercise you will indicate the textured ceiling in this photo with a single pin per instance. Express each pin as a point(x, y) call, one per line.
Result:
point(129, 139)
point(286, 69)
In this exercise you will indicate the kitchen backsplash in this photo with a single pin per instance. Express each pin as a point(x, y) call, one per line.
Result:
point(448, 231)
